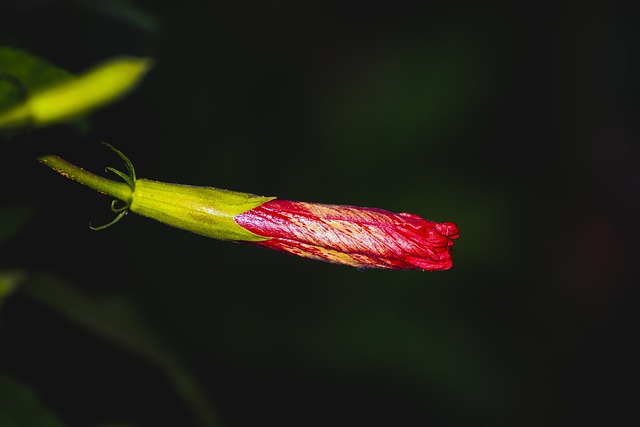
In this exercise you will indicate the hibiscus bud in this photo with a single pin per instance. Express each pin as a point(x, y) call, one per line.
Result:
point(349, 235)
point(360, 237)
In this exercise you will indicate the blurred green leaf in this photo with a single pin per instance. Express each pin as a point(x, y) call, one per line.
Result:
point(9, 280)
point(69, 99)
point(21, 70)
point(19, 407)
point(13, 218)
point(118, 319)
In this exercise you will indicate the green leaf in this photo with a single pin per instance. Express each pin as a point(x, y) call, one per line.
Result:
point(69, 99)
point(19, 407)
point(20, 71)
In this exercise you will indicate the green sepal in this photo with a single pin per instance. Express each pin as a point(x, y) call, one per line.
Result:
point(202, 210)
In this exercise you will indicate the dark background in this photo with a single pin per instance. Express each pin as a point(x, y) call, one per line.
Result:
point(519, 124)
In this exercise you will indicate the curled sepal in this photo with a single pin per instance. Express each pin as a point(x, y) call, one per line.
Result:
point(126, 178)
point(121, 211)
point(116, 219)
point(129, 179)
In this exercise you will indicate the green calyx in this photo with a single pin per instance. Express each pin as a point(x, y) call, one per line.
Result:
point(203, 210)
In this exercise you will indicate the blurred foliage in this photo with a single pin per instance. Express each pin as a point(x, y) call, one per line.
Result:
point(19, 407)
point(21, 71)
point(118, 320)
point(9, 280)
point(50, 99)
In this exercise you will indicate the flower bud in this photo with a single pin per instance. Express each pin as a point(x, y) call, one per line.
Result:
point(349, 235)
point(360, 237)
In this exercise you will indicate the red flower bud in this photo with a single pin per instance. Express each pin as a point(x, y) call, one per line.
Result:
point(360, 237)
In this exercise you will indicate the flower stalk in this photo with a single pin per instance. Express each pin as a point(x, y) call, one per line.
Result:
point(348, 235)
point(120, 190)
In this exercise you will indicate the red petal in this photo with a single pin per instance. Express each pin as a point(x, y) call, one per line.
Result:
point(361, 237)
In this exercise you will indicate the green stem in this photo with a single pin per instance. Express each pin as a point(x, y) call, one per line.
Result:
point(119, 190)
